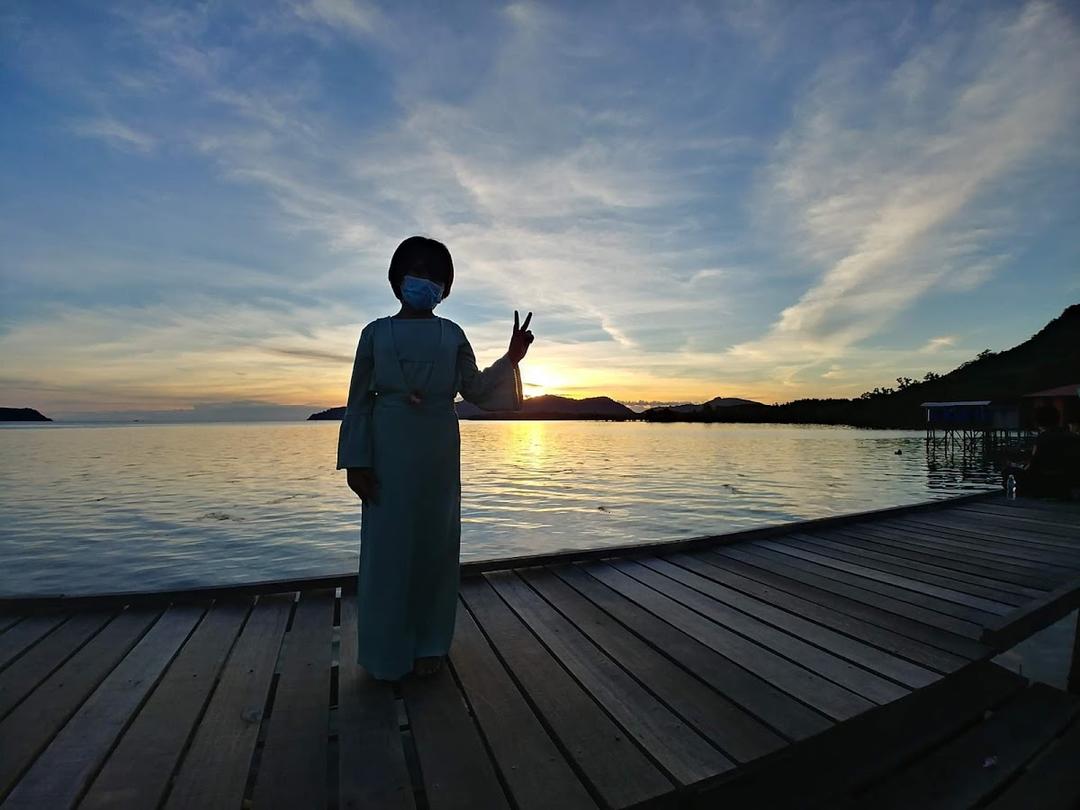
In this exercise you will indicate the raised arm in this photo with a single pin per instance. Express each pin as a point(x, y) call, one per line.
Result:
point(498, 387)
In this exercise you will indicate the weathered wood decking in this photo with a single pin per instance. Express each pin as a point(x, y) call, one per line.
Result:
point(653, 676)
point(984, 737)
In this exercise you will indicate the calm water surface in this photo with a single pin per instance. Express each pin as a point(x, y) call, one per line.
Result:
point(121, 507)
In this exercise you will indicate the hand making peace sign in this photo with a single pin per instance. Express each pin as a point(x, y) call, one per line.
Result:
point(520, 339)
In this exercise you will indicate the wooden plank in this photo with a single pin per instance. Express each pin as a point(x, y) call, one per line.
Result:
point(957, 774)
point(683, 753)
point(455, 767)
point(24, 674)
point(876, 583)
point(1068, 534)
point(966, 572)
point(8, 620)
point(1034, 510)
point(137, 772)
point(843, 646)
point(1008, 630)
point(614, 766)
point(856, 753)
point(959, 619)
point(215, 768)
point(1063, 510)
point(823, 662)
point(878, 637)
point(861, 555)
point(535, 771)
point(989, 532)
point(948, 651)
point(1053, 518)
point(1051, 782)
point(737, 733)
point(59, 602)
point(33, 723)
point(371, 762)
point(970, 549)
point(940, 551)
point(62, 771)
point(981, 607)
point(1024, 547)
point(938, 526)
point(788, 716)
point(829, 579)
point(1020, 524)
point(25, 635)
point(813, 689)
point(293, 772)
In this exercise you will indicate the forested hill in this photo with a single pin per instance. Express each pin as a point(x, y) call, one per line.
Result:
point(1048, 359)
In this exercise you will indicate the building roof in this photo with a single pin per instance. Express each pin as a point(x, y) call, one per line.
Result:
point(951, 404)
point(1061, 391)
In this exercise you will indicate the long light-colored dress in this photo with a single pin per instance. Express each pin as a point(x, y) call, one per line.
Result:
point(400, 421)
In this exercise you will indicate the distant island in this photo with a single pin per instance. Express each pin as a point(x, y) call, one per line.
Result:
point(22, 415)
point(1049, 359)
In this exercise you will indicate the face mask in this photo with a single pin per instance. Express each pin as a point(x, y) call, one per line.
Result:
point(419, 293)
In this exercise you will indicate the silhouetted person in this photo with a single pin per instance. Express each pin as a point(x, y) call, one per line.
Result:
point(399, 442)
point(1054, 466)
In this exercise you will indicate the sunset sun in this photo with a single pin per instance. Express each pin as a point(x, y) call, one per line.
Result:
point(539, 380)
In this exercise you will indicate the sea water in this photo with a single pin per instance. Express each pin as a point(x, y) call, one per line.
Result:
point(97, 508)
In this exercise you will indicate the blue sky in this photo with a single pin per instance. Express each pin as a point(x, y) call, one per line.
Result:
point(756, 199)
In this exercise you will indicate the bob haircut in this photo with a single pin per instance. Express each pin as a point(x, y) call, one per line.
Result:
point(427, 255)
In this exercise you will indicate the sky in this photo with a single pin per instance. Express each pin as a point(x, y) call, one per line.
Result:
point(767, 200)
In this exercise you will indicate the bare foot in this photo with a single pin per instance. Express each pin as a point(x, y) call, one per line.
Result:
point(429, 665)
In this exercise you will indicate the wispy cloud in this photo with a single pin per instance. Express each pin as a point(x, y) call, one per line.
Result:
point(351, 15)
point(938, 343)
point(115, 133)
point(880, 172)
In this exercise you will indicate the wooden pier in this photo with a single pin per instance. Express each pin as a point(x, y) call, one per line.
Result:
point(827, 661)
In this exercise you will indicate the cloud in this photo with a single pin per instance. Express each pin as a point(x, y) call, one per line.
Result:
point(115, 133)
point(938, 343)
point(312, 354)
point(350, 15)
point(882, 174)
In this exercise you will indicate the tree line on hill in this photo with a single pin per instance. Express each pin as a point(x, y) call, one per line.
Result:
point(1048, 359)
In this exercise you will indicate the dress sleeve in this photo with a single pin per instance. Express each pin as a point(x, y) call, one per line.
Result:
point(496, 388)
point(354, 437)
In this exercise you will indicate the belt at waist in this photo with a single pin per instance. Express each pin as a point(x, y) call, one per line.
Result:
point(429, 403)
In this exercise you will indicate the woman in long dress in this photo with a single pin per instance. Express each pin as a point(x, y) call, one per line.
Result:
point(399, 442)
